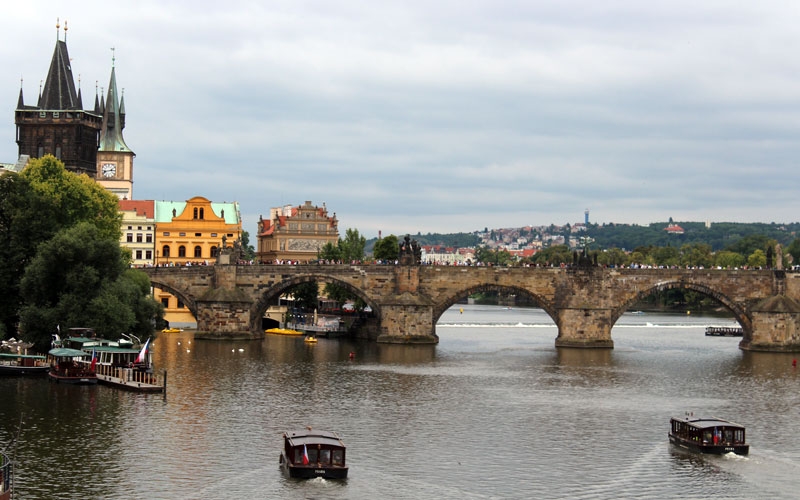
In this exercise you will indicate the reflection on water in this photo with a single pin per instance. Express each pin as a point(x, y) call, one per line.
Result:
point(493, 411)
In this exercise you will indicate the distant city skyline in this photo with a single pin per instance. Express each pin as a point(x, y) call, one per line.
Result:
point(406, 117)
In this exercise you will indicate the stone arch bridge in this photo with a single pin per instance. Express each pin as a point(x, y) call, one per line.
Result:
point(230, 300)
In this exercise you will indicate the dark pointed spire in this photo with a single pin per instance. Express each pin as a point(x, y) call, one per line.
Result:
point(59, 87)
point(96, 100)
point(20, 101)
point(111, 133)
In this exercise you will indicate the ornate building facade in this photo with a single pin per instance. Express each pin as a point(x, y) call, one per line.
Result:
point(295, 233)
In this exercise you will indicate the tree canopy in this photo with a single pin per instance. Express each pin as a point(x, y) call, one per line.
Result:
point(60, 258)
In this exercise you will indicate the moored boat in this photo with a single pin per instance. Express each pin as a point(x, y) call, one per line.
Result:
point(66, 367)
point(708, 435)
point(6, 477)
point(310, 453)
point(283, 331)
point(23, 364)
point(724, 331)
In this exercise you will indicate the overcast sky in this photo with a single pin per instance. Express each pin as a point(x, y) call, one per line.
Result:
point(441, 116)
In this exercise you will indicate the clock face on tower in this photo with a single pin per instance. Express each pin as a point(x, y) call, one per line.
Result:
point(109, 170)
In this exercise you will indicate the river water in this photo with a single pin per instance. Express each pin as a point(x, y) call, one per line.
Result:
point(493, 411)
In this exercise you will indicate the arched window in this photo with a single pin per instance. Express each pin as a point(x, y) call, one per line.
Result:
point(214, 251)
point(181, 251)
point(202, 213)
point(198, 252)
point(195, 213)
point(40, 151)
point(58, 151)
point(165, 251)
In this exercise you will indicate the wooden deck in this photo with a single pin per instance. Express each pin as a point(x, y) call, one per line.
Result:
point(130, 379)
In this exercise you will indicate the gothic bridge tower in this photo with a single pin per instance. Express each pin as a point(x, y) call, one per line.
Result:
point(58, 124)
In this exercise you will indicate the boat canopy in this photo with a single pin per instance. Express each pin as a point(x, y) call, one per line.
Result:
point(63, 352)
point(25, 356)
point(306, 437)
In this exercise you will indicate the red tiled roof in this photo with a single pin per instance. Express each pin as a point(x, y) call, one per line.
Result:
point(144, 208)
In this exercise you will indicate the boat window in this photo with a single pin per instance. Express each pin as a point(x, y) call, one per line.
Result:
point(338, 457)
point(298, 455)
point(325, 457)
point(312, 455)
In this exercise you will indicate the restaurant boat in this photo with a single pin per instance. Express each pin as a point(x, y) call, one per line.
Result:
point(708, 435)
point(6, 477)
point(66, 367)
point(23, 364)
point(310, 453)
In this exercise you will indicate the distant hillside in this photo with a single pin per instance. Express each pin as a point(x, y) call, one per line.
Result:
point(456, 240)
point(720, 235)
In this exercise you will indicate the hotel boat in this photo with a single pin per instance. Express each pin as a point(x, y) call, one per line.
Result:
point(6, 477)
point(23, 364)
point(66, 367)
point(708, 435)
point(310, 453)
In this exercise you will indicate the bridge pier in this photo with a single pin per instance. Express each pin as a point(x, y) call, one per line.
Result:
point(407, 324)
point(225, 320)
point(586, 328)
point(775, 326)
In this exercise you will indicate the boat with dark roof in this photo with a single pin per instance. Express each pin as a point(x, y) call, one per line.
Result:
point(310, 453)
point(66, 367)
point(6, 477)
point(708, 435)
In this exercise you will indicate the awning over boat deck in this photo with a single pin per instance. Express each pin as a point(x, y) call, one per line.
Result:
point(16, 356)
point(63, 352)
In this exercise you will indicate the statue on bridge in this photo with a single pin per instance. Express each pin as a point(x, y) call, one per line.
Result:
point(583, 259)
point(410, 252)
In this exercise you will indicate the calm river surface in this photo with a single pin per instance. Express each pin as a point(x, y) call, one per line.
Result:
point(493, 411)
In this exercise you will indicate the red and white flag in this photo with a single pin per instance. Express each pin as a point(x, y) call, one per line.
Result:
point(141, 357)
point(94, 359)
point(305, 455)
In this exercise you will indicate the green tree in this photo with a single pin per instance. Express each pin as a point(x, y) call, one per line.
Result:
point(554, 256)
point(306, 296)
point(352, 246)
point(794, 250)
point(729, 260)
point(612, 257)
point(757, 259)
point(247, 248)
point(386, 248)
point(79, 278)
point(329, 251)
point(696, 255)
point(493, 257)
point(76, 198)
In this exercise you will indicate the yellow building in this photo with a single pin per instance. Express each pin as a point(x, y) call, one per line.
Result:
point(190, 233)
point(295, 233)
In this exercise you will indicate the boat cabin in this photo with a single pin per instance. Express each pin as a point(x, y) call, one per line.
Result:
point(708, 435)
point(311, 453)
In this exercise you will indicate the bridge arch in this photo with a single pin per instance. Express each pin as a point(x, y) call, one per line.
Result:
point(441, 306)
point(187, 300)
point(740, 315)
point(269, 296)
